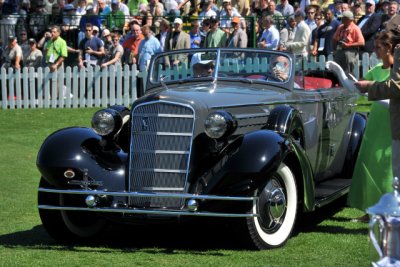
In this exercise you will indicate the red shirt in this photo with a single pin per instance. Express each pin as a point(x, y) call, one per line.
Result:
point(132, 44)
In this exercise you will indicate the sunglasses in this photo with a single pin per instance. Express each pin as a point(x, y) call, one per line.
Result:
point(318, 18)
point(88, 30)
point(115, 40)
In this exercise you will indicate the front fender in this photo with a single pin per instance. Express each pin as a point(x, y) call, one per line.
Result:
point(84, 152)
point(246, 163)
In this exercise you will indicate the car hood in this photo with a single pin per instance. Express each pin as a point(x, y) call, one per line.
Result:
point(209, 95)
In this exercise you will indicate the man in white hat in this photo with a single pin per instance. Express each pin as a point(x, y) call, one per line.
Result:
point(347, 41)
point(177, 39)
point(202, 65)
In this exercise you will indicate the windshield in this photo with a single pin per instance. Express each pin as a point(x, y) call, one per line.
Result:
point(253, 65)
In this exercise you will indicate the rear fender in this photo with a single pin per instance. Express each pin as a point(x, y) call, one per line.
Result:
point(82, 151)
point(357, 133)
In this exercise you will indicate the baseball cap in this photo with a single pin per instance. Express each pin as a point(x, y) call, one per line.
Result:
point(236, 20)
point(105, 33)
point(95, 28)
point(31, 40)
point(197, 59)
point(348, 14)
point(370, 2)
point(89, 7)
point(115, 2)
point(178, 21)
point(12, 38)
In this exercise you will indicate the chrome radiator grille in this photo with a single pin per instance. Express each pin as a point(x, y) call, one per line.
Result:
point(160, 148)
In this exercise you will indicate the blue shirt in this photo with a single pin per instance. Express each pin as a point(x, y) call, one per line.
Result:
point(103, 14)
point(147, 48)
point(195, 37)
point(271, 37)
point(94, 43)
point(286, 10)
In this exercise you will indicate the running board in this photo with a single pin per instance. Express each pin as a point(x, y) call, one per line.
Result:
point(330, 190)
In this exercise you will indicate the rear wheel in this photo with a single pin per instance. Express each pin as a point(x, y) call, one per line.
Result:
point(67, 226)
point(277, 210)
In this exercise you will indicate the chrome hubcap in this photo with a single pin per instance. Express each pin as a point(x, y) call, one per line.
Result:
point(272, 206)
point(277, 203)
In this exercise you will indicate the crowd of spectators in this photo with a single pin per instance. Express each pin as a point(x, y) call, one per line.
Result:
point(105, 32)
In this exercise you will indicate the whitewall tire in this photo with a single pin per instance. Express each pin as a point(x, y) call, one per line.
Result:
point(277, 210)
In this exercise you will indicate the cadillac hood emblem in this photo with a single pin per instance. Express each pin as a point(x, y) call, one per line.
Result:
point(145, 124)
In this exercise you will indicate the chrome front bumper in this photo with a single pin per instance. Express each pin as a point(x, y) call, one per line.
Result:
point(127, 210)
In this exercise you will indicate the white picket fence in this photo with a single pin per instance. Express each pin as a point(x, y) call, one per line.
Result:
point(69, 87)
point(92, 87)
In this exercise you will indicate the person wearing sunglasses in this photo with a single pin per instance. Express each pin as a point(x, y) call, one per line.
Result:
point(319, 21)
point(279, 69)
point(34, 57)
point(91, 48)
point(323, 42)
point(202, 66)
point(311, 12)
point(115, 52)
point(23, 43)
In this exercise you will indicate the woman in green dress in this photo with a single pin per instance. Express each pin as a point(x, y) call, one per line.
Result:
point(372, 175)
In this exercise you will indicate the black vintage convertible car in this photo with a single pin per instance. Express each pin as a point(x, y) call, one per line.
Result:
point(247, 134)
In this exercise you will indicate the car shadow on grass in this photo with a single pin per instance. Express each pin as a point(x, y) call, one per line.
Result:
point(200, 236)
point(190, 237)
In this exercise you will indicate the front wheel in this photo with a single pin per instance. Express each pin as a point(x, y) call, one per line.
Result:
point(276, 209)
point(68, 226)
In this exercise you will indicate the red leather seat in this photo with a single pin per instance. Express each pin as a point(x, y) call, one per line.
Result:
point(313, 83)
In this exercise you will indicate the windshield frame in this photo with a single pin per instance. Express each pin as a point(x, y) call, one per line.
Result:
point(216, 75)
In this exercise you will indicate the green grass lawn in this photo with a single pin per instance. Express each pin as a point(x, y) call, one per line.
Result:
point(324, 238)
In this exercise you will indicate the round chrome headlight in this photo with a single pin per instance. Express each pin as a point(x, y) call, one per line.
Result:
point(104, 121)
point(218, 124)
